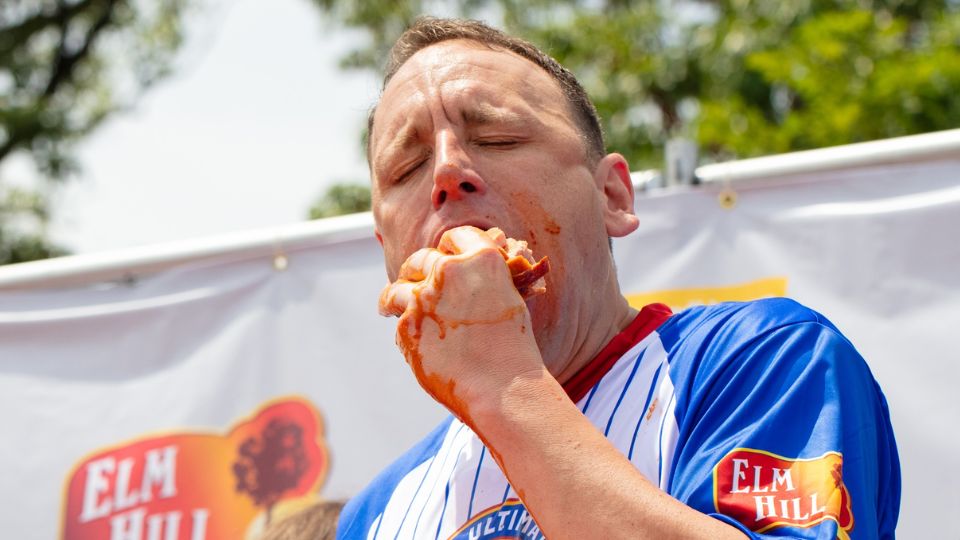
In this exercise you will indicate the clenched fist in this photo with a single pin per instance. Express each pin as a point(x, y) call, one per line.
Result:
point(464, 327)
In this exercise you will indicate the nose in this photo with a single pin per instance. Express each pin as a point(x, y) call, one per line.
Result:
point(454, 175)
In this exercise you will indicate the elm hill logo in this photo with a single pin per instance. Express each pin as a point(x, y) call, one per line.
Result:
point(197, 486)
point(765, 491)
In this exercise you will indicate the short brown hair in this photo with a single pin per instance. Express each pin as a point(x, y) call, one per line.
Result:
point(427, 31)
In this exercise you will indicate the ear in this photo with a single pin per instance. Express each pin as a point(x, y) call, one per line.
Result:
point(612, 177)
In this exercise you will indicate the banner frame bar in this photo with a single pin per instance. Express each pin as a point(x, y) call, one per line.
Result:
point(927, 146)
point(126, 264)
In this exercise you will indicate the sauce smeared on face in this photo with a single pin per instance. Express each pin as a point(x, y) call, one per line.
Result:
point(551, 226)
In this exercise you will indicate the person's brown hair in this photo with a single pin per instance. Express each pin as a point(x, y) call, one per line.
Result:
point(315, 522)
point(427, 31)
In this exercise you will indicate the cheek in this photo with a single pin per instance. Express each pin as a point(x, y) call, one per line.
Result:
point(545, 226)
point(392, 234)
point(396, 248)
point(391, 263)
point(557, 212)
point(401, 221)
point(566, 224)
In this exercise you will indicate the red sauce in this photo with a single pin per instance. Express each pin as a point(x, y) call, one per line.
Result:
point(441, 389)
point(550, 225)
point(444, 389)
point(653, 407)
point(410, 332)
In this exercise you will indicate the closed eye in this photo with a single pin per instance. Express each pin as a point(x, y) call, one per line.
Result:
point(497, 143)
point(407, 172)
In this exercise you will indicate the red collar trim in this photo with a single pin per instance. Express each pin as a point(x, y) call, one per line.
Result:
point(649, 319)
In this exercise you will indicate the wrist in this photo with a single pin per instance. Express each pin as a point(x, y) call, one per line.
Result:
point(523, 397)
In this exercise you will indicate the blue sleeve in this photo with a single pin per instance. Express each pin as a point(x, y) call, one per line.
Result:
point(363, 510)
point(782, 429)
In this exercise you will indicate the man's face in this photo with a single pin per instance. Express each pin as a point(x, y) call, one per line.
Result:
point(467, 135)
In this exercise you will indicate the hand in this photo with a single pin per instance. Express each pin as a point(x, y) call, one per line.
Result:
point(464, 327)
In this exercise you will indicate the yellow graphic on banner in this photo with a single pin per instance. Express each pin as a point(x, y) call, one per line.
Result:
point(679, 299)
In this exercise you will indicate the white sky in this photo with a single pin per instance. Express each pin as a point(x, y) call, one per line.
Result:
point(253, 126)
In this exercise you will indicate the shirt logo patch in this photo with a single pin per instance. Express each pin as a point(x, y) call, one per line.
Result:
point(507, 521)
point(765, 491)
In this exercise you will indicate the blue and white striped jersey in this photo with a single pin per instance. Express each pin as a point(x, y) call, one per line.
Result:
point(761, 414)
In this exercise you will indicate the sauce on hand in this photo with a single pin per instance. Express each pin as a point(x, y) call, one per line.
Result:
point(407, 299)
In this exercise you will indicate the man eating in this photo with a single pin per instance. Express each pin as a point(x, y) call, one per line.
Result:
point(574, 415)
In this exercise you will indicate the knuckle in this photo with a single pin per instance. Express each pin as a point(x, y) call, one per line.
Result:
point(490, 259)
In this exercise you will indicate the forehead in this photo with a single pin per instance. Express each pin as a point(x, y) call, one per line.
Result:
point(468, 79)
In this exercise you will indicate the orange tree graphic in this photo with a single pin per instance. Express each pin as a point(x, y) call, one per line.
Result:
point(269, 465)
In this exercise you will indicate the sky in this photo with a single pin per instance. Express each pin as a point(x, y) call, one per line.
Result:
point(255, 123)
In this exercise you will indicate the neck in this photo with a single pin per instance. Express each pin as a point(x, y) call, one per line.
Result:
point(593, 323)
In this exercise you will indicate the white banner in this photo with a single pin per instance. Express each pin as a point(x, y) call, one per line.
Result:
point(188, 358)
point(208, 396)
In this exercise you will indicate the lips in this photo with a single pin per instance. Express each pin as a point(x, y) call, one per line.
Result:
point(482, 225)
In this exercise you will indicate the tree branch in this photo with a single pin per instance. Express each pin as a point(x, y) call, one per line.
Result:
point(16, 35)
point(66, 62)
point(665, 101)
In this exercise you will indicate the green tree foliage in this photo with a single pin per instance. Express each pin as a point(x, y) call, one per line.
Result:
point(847, 72)
point(65, 66)
point(742, 77)
point(342, 199)
point(16, 206)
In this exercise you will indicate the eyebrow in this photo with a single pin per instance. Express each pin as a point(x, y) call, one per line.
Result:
point(483, 113)
point(479, 114)
point(408, 137)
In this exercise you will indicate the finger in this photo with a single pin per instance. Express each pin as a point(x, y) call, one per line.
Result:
point(419, 265)
point(467, 239)
point(396, 296)
point(498, 236)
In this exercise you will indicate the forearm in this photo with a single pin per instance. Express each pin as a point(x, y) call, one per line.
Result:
point(571, 479)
